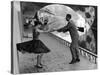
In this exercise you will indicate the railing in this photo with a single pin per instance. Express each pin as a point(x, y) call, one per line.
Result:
point(84, 52)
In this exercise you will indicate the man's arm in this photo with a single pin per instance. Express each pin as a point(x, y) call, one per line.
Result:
point(64, 29)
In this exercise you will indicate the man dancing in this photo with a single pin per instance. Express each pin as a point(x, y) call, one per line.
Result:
point(71, 27)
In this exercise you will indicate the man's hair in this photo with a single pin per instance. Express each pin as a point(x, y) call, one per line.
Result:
point(68, 16)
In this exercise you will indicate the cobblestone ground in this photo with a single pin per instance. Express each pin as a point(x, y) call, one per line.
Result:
point(57, 60)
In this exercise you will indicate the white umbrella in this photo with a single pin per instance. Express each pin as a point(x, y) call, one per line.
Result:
point(55, 14)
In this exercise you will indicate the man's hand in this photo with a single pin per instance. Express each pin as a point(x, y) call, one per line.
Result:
point(59, 30)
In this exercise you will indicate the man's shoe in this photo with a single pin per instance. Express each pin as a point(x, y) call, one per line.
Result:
point(77, 60)
point(73, 61)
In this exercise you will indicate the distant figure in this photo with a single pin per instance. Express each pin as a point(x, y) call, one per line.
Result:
point(71, 27)
point(34, 46)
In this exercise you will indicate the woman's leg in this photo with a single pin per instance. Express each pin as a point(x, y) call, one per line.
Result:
point(39, 58)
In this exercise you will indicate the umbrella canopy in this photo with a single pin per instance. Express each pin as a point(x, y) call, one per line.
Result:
point(55, 14)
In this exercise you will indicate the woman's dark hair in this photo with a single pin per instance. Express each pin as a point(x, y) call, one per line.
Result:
point(37, 20)
point(36, 16)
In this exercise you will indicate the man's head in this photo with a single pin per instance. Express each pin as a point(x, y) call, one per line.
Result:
point(68, 17)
